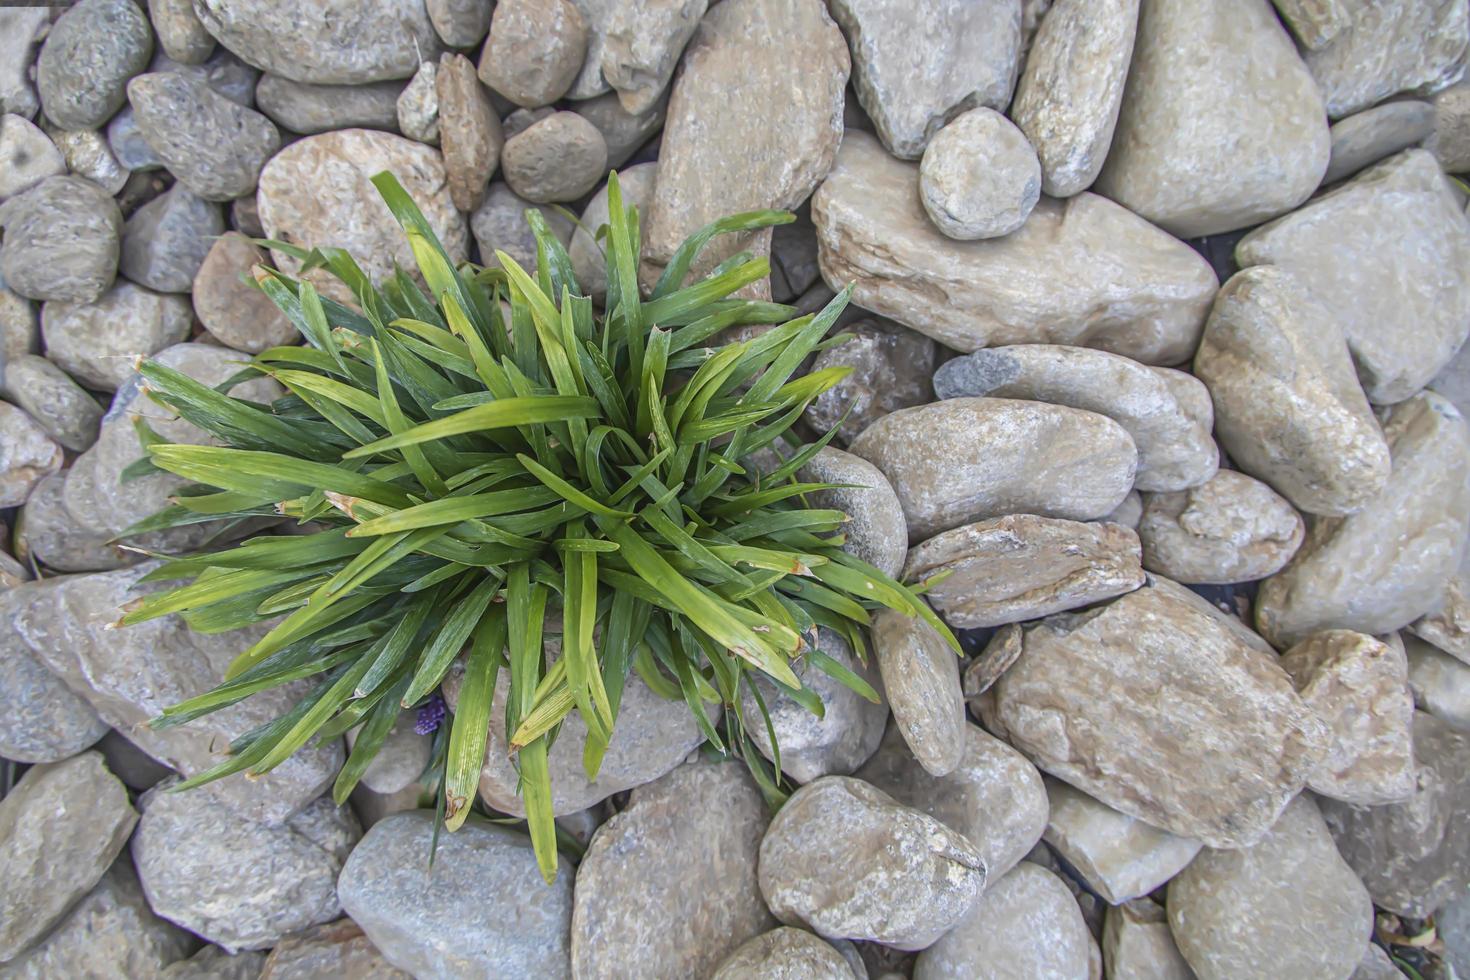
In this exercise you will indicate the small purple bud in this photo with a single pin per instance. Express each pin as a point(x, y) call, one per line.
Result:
point(431, 715)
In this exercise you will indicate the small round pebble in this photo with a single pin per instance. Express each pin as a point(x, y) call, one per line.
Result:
point(85, 64)
point(166, 239)
point(61, 240)
point(979, 177)
point(560, 158)
point(236, 313)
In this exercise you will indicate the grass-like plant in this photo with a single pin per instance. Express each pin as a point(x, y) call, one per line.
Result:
point(457, 476)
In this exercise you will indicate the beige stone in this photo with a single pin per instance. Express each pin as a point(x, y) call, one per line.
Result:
point(1131, 288)
point(535, 50)
point(238, 314)
point(1448, 625)
point(921, 679)
point(1230, 528)
point(1366, 137)
point(1314, 22)
point(875, 528)
point(469, 131)
point(784, 954)
point(1021, 566)
point(1440, 683)
point(1380, 49)
point(979, 177)
point(1136, 942)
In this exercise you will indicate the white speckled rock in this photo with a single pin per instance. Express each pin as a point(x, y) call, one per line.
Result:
point(965, 459)
point(1385, 48)
point(469, 131)
point(1136, 942)
point(1118, 856)
point(1359, 687)
point(694, 833)
point(97, 342)
point(916, 66)
point(875, 528)
point(535, 50)
point(1383, 253)
point(1440, 683)
point(1068, 704)
point(892, 367)
point(785, 954)
point(27, 455)
point(94, 47)
point(921, 680)
point(43, 720)
point(418, 105)
point(1230, 528)
point(27, 156)
point(979, 177)
point(1286, 906)
point(641, 44)
point(1131, 288)
point(850, 862)
point(1288, 407)
point(1027, 924)
point(588, 260)
point(1366, 137)
point(61, 241)
point(1221, 125)
point(995, 798)
point(1383, 567)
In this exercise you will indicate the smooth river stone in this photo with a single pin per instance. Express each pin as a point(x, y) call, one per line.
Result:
point(966, 459)
point(921, 679)
point(1366, 137)
point(1131, 288)
point(875, 528)
point(1230, 528)
point(1388, 47)
point(1071, 703)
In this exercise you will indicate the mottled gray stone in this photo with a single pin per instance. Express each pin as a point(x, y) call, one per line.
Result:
point(53, 400)
point(559, 158)
point(165, 241)
point(215, 146)
point(45, 531)
point(460, 23)
point(1440, 683)
point(915, 67)
point(1026, 924)
point(62, 824)
point(994, 798)
point(1314, 22)
point(535, 50)
point(469, 131)
point(1288, 408)
point(1386, 565)
point(1131, 288)
point(1069, 94)
point(302, 107)
point(966, 459)
point(499, 223)
point(1175, 450)
point(1069, 704)
point(767, 149)
point(21, 29)
point(221, 71)
point(27, 455)
point(127, 144)
point(237, 313)
point(589, 261)
point(1287, 905)
point(523, 119)
point(979, 177)
point(61, 240)
point(1221, 125)
point(1383, 254)
point(1386, 48)
point(1452, 922)
point(875, 529)
point(91, 52)
point(1447, 626)
point(850, 862)
point(784, 954)
point(1231, 528)
point(328, 42)
point(27, 156)
point(96, 342)
point(237, 883)
point(213, 963)
point(1447, 127)
point(418, 105)
point(1020, 567)
point(180, 34)
point(921, 680)
point(43, 720)
point(1118, 856)
point(87, 155)
point(891, 369)
point(20, 328)
point(337, 949)
point(1366, 137)
point(623, 131)
point(694, 833)
point(641, 41)
point(1136, 942)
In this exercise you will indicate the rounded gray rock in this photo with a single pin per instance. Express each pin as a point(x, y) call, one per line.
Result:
point(1364, 138)
point(165, 241)
point(499, 223)
point(27, 156)
point(96, 342)
point(534, 51)
point(180, 34)
point(785, 954)
point(57, 403)
point(891, 369)
point(303, 107)
point(27, 455)
point(641, 41)
point(624, 131)
point(84, 66)
point(559, 158)
point(418, 105)
point(61, 240)
point(1230, 528)
point(1440, 683)
point(46, 531)
point(979, 177)
point(921, 679)
point(876, 530)
point(460, 23)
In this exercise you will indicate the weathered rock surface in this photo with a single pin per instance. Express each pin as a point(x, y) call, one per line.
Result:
point(1136, 942)
point(213, 963)
point(53, 400)
point(623, 131)
point(1359, 687)
point(27, 455)
point(214, 145)
point(1069, 704)
point(1314, 22)
point(535, 50)
point(331, 42)
point(1286, 906)
point(1118, 856)
point(165, 241)
point(27, 154)
point(1383, 254)
point(994, 797)
point(1440, 683)
point(1069, 95)
point(42, 721)
point(640, 45)
point(1366, 137)
point(91, 52)
point(236, 313)
point(1231, 528)
point(921, 681)
point(1025, 924)
point(180, 34)
point(500, 224)
point(418, 105)
point(1449, 127)
point(588, 259)
point(96, 342)
point(1382, 49)
point(302, 107)
point(970, 54)
point(1448, 626)
point(891, 367)
point(45, 531)
point(768, 148)
point(482, 911)
point(316, 192)
point(1414, 856)
point(87, 155)
point(23, 29)
point(966, 459)
point(850, 862)
point(1386, 565)
point(559, 158)
point(875, 528)
point(1288, 408)
point(235, 882)
point(469, 131)
point(979, 177)
point(1175, 450)
point(401, 759)
point(337, 949)
point(61, 241)
point(1019, 567)
point(1132, 289)
point(785, 954)
point(62, 825)
point(695, 832)
point(1221, 125)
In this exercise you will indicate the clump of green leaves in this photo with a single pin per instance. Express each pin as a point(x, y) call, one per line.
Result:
point(458, 477)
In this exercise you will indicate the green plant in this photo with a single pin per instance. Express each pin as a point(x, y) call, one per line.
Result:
point(457, 477)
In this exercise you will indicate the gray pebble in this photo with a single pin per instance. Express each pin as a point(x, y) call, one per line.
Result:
point(21, 29)
point(560, 158)
point(58, 404)
point(166, 239)
point(979, 177)
point(128, 146)
point(1364, 138)
point(418, 105)
point(302, 107)
point(92, 51)
point(500, 223)
point(221, 71)
point(586, 252)
point(27, 156)
point(460, 23)
point(61, 240)
point(180, 34)
point(96, 342)
point(523, 119)
point(48, 533)
point(623, 131)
